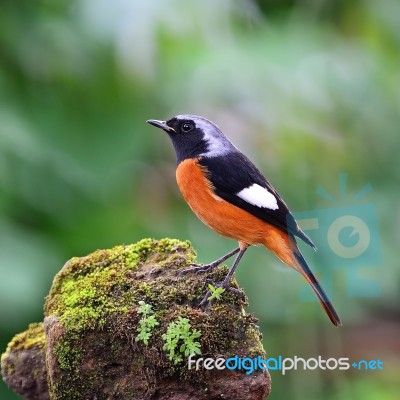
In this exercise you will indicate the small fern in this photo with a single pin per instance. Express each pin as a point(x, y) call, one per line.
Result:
point(146, 324)
point(215, 292)
point(180, 341)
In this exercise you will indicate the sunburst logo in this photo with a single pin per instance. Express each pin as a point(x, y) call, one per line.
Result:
point(347, 238)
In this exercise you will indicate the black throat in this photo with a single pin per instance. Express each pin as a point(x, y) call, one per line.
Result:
point(188, 147)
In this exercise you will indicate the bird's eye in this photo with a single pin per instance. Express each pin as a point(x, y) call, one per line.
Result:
point(187, 127)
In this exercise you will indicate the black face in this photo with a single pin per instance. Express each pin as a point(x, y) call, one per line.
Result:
point(182, 126)
point(188, 140)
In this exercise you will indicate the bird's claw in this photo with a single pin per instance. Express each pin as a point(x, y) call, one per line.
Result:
point(198, 269)
point(205, 303)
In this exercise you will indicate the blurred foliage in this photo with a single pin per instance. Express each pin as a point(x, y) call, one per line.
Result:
point(307, 88)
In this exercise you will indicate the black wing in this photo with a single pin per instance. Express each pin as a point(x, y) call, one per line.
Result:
point(234, 172)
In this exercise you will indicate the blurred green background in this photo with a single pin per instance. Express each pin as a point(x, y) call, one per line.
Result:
point(308, 89)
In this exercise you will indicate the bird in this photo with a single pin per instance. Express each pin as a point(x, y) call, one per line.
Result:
point(229, 194)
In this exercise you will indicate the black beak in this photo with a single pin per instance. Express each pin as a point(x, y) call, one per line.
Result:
point(160, 124)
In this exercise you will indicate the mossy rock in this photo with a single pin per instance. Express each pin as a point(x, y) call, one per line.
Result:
point(23, 365)
point(93, 319)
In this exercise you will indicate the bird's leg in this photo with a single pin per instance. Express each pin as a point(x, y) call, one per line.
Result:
point(211, 266)
point(225, 283)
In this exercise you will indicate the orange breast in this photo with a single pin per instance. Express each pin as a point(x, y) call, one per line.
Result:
point(225, 218)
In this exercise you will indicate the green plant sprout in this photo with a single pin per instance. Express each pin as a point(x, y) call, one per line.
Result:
point(180, 340)
point(215, 292)
point(146, 324)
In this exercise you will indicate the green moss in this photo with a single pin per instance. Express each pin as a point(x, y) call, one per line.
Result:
point(85, 300)
point(252, 339)
point(88, 289)
point(67, 355)
point(144, 289)
point(33, 336)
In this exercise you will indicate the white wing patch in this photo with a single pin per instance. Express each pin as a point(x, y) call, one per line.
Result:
point(258, 196)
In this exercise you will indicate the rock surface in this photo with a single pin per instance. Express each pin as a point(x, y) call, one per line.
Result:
point(23, 365)
point(117, 325)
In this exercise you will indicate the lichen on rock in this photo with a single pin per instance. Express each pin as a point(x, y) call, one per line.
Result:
point(23, 364)
point(92, 318)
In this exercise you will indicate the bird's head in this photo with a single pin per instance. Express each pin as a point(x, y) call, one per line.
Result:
point(194, 136)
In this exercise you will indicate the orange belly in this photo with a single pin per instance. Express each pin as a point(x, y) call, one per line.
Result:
point(225, 218)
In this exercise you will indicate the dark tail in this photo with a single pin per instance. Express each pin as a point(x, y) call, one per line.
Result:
point(312, 280)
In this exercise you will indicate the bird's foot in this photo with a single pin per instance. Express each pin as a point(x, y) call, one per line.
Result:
point(199, 269)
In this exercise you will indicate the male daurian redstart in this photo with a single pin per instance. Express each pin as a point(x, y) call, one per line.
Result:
point(230, 195)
